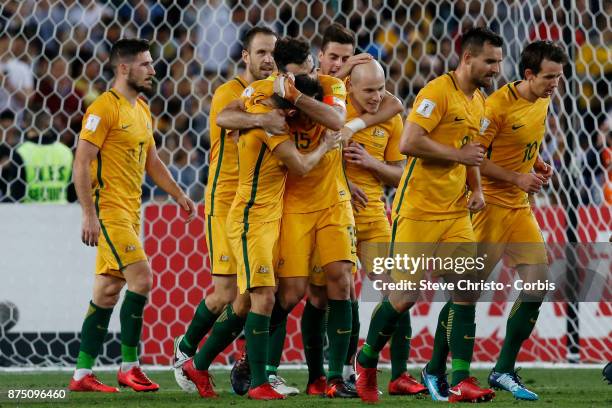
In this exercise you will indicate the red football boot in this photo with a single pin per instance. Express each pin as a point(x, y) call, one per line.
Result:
point(406, 384)
point(90, 383)
point(366, 384)
point(264, 392)
point(318, 387)
point(201, 378)
point(468, 390)
point(136, 379)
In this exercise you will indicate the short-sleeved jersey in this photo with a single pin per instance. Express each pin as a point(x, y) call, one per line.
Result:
point(381, 141)
point(435, 189)
point(512, 131)
point(326, 184)
point(223, 157)
point(261, 176)
point(124, 135)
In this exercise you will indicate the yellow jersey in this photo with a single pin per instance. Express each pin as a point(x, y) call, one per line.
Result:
point(124, 135)
point(223, 156)
point(435, 189)
point(326, 184)
point(381, 141)
point(261, 176)
point(512, 131)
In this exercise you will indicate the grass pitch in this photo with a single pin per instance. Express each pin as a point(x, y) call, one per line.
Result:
point(556, 387)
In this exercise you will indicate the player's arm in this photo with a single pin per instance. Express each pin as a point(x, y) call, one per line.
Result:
point(416, 142)
point(162, 177)
point(300, 164)
point(86, 153)
point(389, 173)
point(330, 116)
point(528, 182)
point(235, 117)
point(476, 201)
point(389, 107)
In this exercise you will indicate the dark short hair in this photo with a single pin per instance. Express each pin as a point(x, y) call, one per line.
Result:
point(534, 53)
point(248, 37)
point(127, 49)
point(338, 34)
point(290, 50)
point(476, 37)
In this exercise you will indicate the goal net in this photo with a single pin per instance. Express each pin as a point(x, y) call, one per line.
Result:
point(53, 64)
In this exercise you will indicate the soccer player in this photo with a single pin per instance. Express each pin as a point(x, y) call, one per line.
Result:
point(254, 223)
point(222, 183)
point(116, 147)
point(515, 126)
point(337, 58)
point(317, 214)
point(431, 207)
point(373, 161)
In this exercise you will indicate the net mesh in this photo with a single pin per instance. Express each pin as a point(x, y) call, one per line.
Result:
point(53, 59)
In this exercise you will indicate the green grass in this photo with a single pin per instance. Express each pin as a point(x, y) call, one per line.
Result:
point(556, 387)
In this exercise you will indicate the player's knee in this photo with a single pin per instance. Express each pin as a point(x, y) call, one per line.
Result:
point(262, 300)
point(107, 297)
point(317, 296)
point(291, 291)
point(142, 285)
point(242, 305)
point(401, 301)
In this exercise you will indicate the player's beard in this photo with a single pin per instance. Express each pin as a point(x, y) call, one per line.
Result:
point(141, 88)
point(257, 73)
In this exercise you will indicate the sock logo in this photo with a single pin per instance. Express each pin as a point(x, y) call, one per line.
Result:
point(466, 337)
point(101, 327)
point(133, 316)
point(340, 331)
point(384, 334)
point(256, 332)
point(532, 320)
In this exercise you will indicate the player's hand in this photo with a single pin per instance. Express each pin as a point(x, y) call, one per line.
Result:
point(331, 140)
point(356, 154)
point(274, 122)
point(476, 201)
point(90, 229)
point(186, 204)
point(359, 198)
point(471, 154)
point(543, 169)
point(284, 86)
point(346, 133)
point(530, 182)
point(350, 63)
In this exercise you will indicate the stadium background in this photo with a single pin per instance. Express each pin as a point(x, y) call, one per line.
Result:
point(53, 57)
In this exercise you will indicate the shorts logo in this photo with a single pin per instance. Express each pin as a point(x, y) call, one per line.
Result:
point(263, 269)
point(130, 248)
point(224, 258)
point(317, 269)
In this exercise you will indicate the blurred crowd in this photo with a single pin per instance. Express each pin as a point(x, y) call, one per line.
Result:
point(53, 58)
